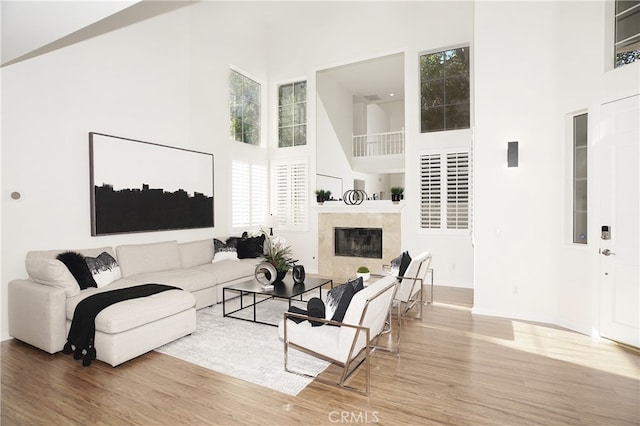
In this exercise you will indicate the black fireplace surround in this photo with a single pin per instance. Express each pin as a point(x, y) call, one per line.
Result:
point(358, 242)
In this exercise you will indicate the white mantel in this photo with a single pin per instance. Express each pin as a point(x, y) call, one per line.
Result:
point(367, 206)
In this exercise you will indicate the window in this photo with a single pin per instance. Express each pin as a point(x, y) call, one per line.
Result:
point(580, 179)
point(444, 90)
point(292, 114)
point(445, 190)
point(290, 193)
point(627, 32)
point(248, 194)
point(244, 109)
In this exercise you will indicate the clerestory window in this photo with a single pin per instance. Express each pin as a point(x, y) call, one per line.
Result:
point(244, 108)
point(292, 114)
point(627, 32)
point(444, 90)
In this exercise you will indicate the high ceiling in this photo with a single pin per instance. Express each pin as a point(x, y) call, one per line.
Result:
point(32, 28)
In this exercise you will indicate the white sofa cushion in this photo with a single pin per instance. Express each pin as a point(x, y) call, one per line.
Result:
point(153, 257)
point(52, 272)
point(186, 279)
point(196, 253)
point(43, 267)
point(132, 313)
point(230, 270)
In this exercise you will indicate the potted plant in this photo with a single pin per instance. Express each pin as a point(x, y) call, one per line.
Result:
point(396, 194)
point(363, 272)
point(322, 195)
point(278, 254)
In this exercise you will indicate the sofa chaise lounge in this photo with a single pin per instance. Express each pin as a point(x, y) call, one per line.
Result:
point(41, 307)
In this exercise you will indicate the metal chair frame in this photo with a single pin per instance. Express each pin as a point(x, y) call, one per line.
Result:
point(366, 351)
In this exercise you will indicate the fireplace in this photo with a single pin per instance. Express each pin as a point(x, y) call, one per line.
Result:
point(358, 242)
point(344, 267)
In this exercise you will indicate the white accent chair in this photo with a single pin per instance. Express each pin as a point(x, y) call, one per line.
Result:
point(344, 343)
point(410, 288)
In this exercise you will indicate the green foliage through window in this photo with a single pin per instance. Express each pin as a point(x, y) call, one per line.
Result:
point(627, 32)
point(244, 108)
point(292, 114)
point(444, 90)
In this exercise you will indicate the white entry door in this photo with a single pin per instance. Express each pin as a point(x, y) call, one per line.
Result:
point(620, 212)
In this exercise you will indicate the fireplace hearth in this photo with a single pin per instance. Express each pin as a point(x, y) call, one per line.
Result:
point(358, 242)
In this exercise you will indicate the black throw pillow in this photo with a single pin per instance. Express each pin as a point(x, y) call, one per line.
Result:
point(76, 264)
point(343, 304)
point(357, 284)
point(315, 308)
point(251, 247)
point(404, 264)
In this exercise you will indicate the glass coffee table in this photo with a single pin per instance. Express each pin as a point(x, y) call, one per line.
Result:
point(252, 289)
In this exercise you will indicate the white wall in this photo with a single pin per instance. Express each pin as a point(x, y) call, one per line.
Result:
point(342, 33)
point(526, 265)
point(517, 212)
point(163, 80)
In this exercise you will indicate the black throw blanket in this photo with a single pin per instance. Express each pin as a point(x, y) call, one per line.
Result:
point(83, 326)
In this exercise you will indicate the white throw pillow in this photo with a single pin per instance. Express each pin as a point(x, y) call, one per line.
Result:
point(225, 255)
point(104, 269)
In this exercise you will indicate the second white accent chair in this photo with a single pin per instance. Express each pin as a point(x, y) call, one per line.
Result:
point(410, 288)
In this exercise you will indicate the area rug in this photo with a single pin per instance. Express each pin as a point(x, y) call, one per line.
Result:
point(246, 350)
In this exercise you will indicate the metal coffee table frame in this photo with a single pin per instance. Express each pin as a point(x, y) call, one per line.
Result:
point(284, 290)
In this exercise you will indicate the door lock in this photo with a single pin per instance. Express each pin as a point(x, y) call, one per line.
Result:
point(607, 252)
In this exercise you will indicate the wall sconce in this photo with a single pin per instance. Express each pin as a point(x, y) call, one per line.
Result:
point(512, 154)
point(271, 222)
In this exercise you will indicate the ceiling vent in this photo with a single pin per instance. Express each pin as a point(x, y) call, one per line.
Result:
point(372, 98)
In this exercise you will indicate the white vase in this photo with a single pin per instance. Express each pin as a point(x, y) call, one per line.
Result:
point(365, 275)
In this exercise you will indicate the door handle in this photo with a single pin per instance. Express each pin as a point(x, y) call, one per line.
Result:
point(607, 252)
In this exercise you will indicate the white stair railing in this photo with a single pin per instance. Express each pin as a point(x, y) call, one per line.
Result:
point(389, 143)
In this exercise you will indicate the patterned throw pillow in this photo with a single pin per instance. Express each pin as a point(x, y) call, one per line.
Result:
point(103, 268)
point(224, 250)
point(400, 264)
point(338, 298)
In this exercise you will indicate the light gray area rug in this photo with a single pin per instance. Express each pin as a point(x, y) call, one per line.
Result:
point(246, 350)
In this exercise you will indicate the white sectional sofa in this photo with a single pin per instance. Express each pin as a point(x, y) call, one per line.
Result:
point(41, 307)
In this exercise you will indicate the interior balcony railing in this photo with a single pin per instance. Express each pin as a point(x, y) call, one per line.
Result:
point(389, 143)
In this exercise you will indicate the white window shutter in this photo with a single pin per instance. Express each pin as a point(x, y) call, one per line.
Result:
point(445, 190)
point(259, 194)
point(248, 194)
point(458, 190)
point(430, 191)
point(240, 193)
point(289, 179)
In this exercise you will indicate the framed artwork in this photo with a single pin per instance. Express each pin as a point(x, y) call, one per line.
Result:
point(141, 186)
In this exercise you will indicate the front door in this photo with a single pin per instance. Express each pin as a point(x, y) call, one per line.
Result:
point(620, 217)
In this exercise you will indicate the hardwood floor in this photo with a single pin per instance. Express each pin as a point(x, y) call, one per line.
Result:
point(454, 368)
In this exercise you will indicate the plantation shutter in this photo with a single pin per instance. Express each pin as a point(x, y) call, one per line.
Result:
point(458, 190)
point(248, 194)
point(430, 191)
point(290, 194)
point(445, 190)
point(259, 195)
point(240, 191)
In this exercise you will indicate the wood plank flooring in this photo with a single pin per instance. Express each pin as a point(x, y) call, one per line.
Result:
point(455, 368)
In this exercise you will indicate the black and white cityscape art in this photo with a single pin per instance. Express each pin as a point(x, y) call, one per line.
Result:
point(141, 186)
